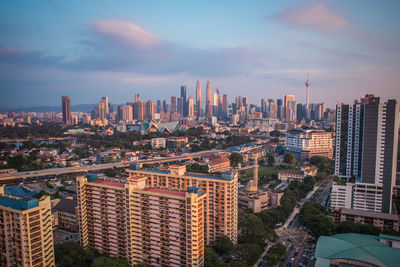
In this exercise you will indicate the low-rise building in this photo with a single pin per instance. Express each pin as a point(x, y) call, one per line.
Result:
point(219, 164)
point(259, 200)
point(157, 143)
point(358, 250)
point(381, 220)
point(177, 142)
point(65, 211)
point(107, 157)
point(291, 175)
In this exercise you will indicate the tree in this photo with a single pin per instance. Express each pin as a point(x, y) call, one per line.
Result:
point(106, 261)
point(270, 159)
point(276, 133)
point(289, 158)
point(249, 253)
point(210, 258)
point(223, 245)
point(235, 159)
point(111, 172)
point(72, 254)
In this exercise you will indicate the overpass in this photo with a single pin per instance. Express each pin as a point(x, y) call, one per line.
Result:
point(15, 178)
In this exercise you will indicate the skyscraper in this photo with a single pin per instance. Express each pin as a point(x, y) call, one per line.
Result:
point(225, 105)
point(280, 112)
point(66, 110)
point(366, 148)
point(102, 110)
point(159, 107)
point(150, 109)
point(289, 107)
point(215, 104)
point(190, 105)
point(106, 106)
point(183, 95)
point(208, 100)
point(173, 104)
point(198, 98)
point(139, 110)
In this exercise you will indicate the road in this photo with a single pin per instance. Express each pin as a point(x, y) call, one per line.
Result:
point(4, 178)
point(298, 237)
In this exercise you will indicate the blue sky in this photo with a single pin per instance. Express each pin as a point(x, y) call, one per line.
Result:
point(87, 49)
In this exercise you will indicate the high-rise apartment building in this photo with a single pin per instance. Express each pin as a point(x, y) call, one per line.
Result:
point(305, 144)
point(150, 109)
point(366, 148)
point(26, 230)
point(66, 110)
point(139, 110)
point(198, 98)
point(149, 225)
point(125, 113)
point(209, 112)
point(221, 209)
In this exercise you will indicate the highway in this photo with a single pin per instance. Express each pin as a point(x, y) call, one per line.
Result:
point(21, 176)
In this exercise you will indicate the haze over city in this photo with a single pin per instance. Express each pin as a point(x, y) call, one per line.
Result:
point(258, 49)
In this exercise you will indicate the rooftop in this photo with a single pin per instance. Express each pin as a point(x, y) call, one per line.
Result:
point(109, 183)
point(18, 191)
point(223, 177)
point(373, 214)
point(358, 247)
point(67, 205)
point(166, 191)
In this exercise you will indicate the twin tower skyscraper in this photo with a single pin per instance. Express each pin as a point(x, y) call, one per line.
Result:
point(209, 104)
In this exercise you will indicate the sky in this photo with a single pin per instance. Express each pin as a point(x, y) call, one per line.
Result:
point(258, 49)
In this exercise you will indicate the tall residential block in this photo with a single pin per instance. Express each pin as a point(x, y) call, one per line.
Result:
point(26, 231)
point(366, 149)
point(149, 225)
point(66, 110)
point(221, 209)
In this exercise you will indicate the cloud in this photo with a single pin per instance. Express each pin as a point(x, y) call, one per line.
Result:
point(123, 46)
point(127, 32)
point(316, 17)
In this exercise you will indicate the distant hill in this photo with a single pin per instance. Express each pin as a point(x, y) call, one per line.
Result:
point(76, 108)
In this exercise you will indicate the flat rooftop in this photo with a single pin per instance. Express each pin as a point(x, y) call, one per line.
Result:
point(195, 175)
point(109, 183)
point(166, 191)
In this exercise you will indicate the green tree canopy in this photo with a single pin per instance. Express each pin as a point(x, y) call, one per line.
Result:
point(289, 158)
point(223, 245)
point(236, 158)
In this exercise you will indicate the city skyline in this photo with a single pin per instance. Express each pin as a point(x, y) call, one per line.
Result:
point(258, 50)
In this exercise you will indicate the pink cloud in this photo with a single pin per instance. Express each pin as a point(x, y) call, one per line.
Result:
point(316, 17)
point(127, 32)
